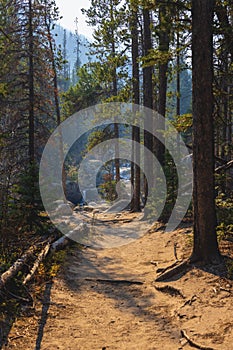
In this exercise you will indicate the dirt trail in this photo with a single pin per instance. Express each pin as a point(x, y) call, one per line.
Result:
point(106, 299)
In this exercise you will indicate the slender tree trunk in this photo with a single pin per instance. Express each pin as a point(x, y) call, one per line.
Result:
point(178, 95)
point(116, 127)
point(178, 74)
point(205, 238)
point(31, 117)
point(147, 97)
point(224, 15)
point(55, 91)
point(136, 99)
point(164, 33)
point(31, 87)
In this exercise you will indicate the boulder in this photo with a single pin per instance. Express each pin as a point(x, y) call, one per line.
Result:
point(73, 193)
point(119, 206)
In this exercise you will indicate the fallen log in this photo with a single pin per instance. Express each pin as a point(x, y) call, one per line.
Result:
point(74, 235)
point(61, 243)
point(22, 261)
point(16, 267)
point(50, 247)
point(39, 259)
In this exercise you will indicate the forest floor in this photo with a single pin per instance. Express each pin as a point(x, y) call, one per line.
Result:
point(109, 299)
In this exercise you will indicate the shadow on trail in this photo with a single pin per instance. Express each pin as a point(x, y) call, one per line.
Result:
point(222, 270)
point(128, 291)
point(106, 276)
point(44, 315)
point(5, 329)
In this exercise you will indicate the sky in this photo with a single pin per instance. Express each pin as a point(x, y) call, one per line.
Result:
point(70, 9)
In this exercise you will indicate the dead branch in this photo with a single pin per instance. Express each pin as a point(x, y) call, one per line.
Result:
point(224, 166)
point(181, 268)
point(193, 343)
point(114, 281)
point(225, 290)
point(16, 337)
point(18, 297)
point(189, 301)
point(16, 267)
point(175, 251)
point(39, 259)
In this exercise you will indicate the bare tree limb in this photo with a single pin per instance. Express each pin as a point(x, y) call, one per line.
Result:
point(224, 166)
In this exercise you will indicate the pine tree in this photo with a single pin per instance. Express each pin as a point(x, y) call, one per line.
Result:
point(205, 238)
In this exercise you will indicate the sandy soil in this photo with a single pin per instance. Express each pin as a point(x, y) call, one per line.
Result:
point(108, 299)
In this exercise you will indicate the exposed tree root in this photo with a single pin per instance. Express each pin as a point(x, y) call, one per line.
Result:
point(164, 269)
point(173, 271)
point(193, 343)
point(170, 290)
point(189, 301)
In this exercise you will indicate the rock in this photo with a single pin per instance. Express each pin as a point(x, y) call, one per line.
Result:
point(92, 204)
point(118, 206)
point(73, 193)
point(63, 210)
point(91, 195)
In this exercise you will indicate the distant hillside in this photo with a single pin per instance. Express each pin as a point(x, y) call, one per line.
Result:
point(71, 45)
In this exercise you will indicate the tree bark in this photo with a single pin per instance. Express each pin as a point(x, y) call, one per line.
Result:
point(31, 86)
point(135, 205)
point(205, 239)
point(164, 34)
point(147, 98)
point(116, 126)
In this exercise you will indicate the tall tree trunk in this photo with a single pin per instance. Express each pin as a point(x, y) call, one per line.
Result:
point(147, 97)
point(31, 86)
point(115, 91)
point(135, 205)
point(31, 117)
point(205, 238)
point(48, 24)
point(116, 127)
point(178, 95)
point(164, 33)
point(224, 14)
